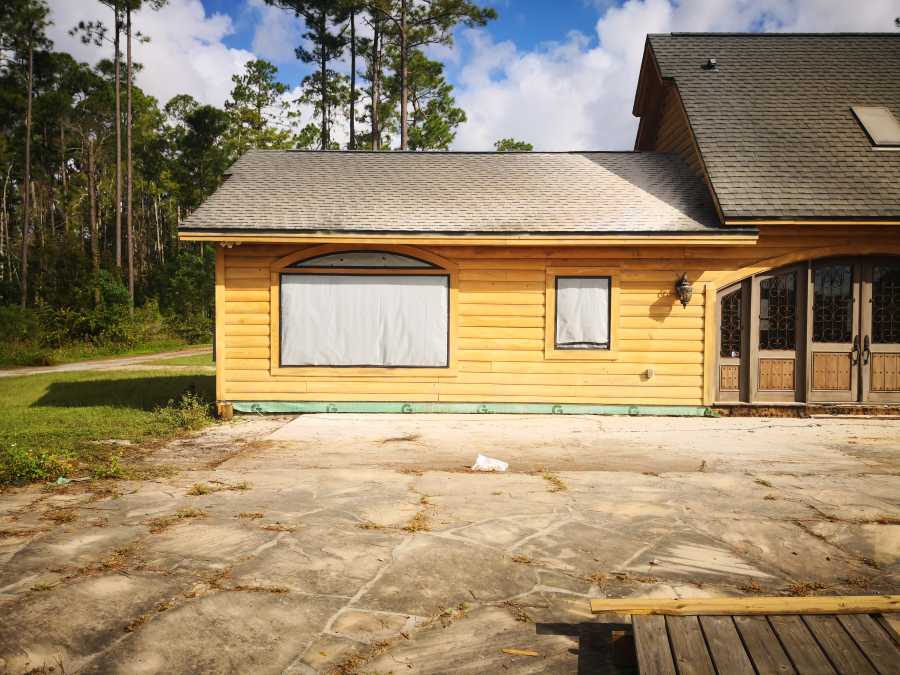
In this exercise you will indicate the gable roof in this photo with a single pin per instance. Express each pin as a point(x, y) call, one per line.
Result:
point(773, 120)
point(578, 193)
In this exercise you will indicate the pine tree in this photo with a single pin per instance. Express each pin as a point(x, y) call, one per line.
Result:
point(260, 116)
point(434, 115)
point(512, 145)
point(22, 33)
point(415, 25)
point(325, 33)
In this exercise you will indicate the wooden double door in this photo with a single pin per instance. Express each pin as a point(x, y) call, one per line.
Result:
point(825, 331)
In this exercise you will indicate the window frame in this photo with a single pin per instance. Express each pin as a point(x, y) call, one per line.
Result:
point(551, 351)
point(283, 266)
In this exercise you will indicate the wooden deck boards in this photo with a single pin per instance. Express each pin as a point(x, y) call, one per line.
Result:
point(780, 644)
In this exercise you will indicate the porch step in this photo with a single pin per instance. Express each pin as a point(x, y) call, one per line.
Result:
point(808, 410)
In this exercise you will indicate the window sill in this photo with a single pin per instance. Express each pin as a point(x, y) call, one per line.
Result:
point(552, 354)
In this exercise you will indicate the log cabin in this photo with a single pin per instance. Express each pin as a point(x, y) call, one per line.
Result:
point(745, 253)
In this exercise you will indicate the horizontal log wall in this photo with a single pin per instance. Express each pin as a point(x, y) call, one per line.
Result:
point(500, 330)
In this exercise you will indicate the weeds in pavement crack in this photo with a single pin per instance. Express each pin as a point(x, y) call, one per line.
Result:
point(200, 489)
point(162, 523)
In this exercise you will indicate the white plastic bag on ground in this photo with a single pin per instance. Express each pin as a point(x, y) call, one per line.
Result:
point(485, 463)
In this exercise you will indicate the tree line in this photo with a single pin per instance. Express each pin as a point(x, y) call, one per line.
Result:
point(96, 174)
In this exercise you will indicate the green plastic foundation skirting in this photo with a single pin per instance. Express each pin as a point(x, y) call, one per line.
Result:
point(477, 408)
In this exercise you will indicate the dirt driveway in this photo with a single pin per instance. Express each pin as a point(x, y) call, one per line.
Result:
point(355, 543)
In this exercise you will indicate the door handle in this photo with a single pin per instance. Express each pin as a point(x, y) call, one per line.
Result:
point(854, 353)
point(866, 351)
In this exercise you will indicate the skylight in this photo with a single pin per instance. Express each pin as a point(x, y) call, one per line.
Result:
point(880, 124)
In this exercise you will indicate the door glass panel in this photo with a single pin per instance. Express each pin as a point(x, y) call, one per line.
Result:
point(778, 312)
point(832, 303)
point(886, 304)
point(731, 325)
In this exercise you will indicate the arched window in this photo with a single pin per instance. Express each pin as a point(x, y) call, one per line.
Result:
point(364, 260)
point(364, 309)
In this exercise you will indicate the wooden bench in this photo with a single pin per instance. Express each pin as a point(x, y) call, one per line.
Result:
point(725, 636)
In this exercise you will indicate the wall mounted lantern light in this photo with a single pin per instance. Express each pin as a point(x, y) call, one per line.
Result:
point(684, 290)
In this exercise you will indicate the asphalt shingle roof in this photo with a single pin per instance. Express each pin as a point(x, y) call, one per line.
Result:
point(447, 193)
point(773, 121)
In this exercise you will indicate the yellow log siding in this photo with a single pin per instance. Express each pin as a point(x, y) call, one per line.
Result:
point(500, 319)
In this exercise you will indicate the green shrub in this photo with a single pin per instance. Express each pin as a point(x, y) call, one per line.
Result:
point(97, 315)
point(87, 320)
point(188, 413)
point(193, 328)
point(18, 324)
point(21, 465)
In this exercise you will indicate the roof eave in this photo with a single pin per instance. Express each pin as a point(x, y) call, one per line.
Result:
point(756, 221)
point(733, 236)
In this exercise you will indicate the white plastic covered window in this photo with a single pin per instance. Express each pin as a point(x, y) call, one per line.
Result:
point(582, 312)
point(376, 320)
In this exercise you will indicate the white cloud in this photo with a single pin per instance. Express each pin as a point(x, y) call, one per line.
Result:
point(186, 52)
point(577, 94)
point(277, 34)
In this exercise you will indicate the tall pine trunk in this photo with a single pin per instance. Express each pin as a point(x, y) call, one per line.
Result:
point(95, 229)
point(129, 167)
point(118, 65)
point(376, 81)
point(4, 228)
point(323, 71)
point(352, 143)
point(404, 122)
point(26, 220)
point(63, 176)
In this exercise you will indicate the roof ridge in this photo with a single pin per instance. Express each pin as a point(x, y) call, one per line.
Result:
point(395, 153)
point(881, 34)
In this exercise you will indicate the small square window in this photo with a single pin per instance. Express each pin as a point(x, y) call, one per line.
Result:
point(582, 312)
point(880, 124)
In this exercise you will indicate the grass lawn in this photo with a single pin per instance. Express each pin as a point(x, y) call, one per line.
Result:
point(49, 422)
point(192, 360)
point(30, 355)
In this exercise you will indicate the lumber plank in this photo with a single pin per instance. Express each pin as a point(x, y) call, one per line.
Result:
point(688, 646)
point(240, 295)
point(890, 623)
point(246, 307)
point(843, 604)
point(801, 646)
point(247, 352)
point(475, 308)
point(874, 642)
point(506, 299)
point(247, 319)
point(494, 332)
point(837, 644)
point(652, 646)
point(247, 364)
point(247, 329)
point(503, 321)
point(259, 284)
point(763, 646)
point(501, 286)
point(725, 646)
point(234, 272)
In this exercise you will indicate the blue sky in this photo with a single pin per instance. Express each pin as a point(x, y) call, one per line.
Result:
point(560, 74)
point(527, 23)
